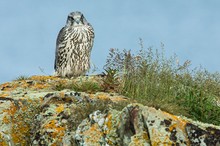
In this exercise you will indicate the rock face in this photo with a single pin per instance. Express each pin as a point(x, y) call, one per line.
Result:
point(41, 111)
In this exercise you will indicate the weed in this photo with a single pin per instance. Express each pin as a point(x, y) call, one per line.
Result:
point(110, 80)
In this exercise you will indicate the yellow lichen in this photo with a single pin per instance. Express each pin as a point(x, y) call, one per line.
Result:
point(40, 86)
point(42, 78)
point(108, 123)
point(102, 96)
point(2, 141)
point(180, 124)
point(60, 108)
point(139, 139)
point(24, 84)
point(6, 119)
point(173, 126)
point(20, 130)
point(118, 98)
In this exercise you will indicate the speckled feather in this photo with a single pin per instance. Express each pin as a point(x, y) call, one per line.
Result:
point(73, 47)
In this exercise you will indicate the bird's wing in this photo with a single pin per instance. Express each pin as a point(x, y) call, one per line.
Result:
point(91, 33)
point(60, 39)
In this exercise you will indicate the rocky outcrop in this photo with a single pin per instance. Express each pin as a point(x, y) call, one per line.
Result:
point(141, 125)
point(46, 110)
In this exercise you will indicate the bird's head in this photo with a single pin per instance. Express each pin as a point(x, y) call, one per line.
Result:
point(76, 19)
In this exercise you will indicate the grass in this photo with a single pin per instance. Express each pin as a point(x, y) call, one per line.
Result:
point(154, 80)
point(21, 78)
point(84, 86)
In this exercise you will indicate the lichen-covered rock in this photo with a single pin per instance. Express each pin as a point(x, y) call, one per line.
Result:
point(141, 125)
point(60, 115)
point(47, 111)
point(34, 112)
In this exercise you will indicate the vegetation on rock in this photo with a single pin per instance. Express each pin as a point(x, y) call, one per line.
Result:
point(153, 80)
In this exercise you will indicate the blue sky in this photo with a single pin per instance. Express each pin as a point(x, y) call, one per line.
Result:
point(28, 31)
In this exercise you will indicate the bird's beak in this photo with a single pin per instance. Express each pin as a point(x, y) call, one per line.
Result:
point(77, 21)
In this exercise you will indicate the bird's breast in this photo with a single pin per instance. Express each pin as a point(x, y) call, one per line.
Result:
point(80, 35)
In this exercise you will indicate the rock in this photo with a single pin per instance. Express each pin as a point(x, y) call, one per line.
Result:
point(141, 125)
point(46, 110)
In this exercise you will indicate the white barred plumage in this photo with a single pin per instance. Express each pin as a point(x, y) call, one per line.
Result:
point(73, 47)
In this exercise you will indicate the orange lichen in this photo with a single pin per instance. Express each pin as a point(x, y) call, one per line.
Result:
point(20, 128)
point(177, 123)
point(62, 94)
point(9, 86)
point(20, 119)
point(57, 130)
point(5, 85)
point(93, 134)
point(180, 124)
point(4, 95)
point(11, 111)
point(173, 126)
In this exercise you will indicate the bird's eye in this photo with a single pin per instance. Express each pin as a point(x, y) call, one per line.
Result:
point(81, 18)
point(70, 18)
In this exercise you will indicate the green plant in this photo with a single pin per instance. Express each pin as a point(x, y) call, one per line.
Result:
point(154, 80)
point(110, 80)
point(59, 86)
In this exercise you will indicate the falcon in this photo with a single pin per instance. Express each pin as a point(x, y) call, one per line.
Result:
point(73, 47)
